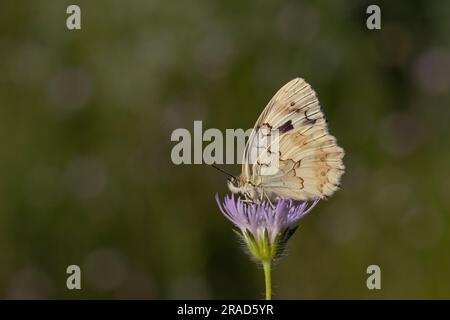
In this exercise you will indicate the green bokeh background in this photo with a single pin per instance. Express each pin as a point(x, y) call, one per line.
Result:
point(86, 116)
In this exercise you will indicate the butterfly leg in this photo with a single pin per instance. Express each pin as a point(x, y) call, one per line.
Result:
point(247, 199)
point(268, 199)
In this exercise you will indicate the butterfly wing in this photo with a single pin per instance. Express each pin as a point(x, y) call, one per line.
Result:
point(302, 160)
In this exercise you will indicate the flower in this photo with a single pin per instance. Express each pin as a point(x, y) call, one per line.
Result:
point(263, 227)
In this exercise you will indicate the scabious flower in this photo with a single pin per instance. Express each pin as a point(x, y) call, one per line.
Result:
point(265, 228)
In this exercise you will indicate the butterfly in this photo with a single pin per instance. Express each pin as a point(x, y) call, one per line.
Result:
point(290, 153)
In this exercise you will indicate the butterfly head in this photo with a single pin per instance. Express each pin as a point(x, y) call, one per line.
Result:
point(234, 185)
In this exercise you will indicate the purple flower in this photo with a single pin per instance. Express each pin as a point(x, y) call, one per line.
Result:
point(264, 228)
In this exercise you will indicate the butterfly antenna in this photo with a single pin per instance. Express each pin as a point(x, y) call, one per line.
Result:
point(223, 171)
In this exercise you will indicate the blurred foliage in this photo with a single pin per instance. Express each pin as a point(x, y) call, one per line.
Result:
point(86, 117)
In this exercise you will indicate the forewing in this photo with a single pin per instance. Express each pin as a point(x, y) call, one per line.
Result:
point(302, 160)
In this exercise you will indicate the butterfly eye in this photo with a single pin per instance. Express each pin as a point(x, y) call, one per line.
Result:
point(233, 181)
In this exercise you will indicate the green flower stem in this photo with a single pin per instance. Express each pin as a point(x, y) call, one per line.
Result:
point(267, 265)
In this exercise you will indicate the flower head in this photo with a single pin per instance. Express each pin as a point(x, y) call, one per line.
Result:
point(263, 227)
